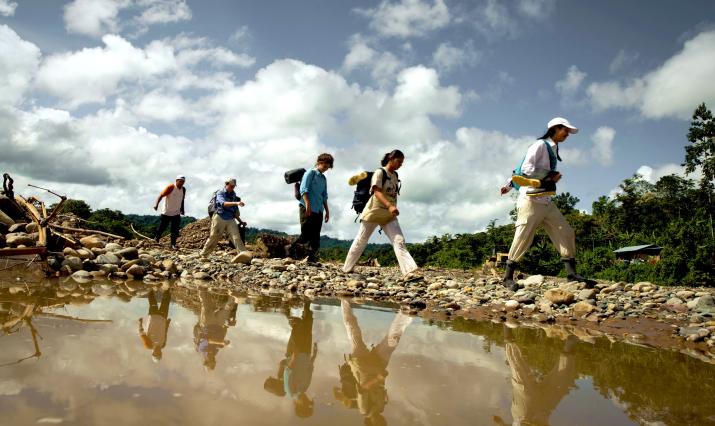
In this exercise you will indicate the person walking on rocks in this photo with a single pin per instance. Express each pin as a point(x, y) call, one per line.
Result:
point(224, 220)
point(381, 210)
point(536, 179)
point(172, 210)
point(218, 312)
point(312, 204)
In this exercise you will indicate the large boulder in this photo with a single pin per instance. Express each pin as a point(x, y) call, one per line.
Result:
point(136, 271)
point(243, 257)
point(582, 308)
point(92, 241)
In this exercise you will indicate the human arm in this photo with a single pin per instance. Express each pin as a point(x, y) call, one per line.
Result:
point(377, 192)
point(305, 185)
point(221, 201)
point(183, 197)
point(315, 352)
point(163, 194)
point(327, 211)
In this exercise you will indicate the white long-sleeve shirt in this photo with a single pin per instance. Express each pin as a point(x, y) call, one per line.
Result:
point(536, 161)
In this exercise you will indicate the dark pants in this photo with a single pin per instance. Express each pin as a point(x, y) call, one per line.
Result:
point(162, 310)
point(310, 227)
point(175, 222)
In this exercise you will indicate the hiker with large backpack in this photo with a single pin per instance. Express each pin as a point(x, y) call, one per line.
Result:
point(380, 209)
point(223, 221)
point(536, 179)
point(312, 202)
point(172, 210)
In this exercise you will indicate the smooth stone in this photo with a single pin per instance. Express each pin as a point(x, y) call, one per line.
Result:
point(15, 239)
point(32, 227)
point(511, 305)
point(108, 258)
point(85, 254)
point(587, 294)
point(74, 263)
point(136, 271)
point(201, 275)
point(112, 247)
point(92, 242)
point(582, 308)
point(532, 280)
point(559, 296)
point(17, 227)
point(245, 258)
point(128, 253)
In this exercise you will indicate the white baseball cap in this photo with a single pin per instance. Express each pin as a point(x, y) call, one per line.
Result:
point(564, 122)
point(181, 177)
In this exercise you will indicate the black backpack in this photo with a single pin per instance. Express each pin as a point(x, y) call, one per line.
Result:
point(362, 191)
point(294, 176)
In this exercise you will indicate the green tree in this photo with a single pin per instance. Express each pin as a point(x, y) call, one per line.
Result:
point(565, 202)
point(702, 151)
point(77, 207)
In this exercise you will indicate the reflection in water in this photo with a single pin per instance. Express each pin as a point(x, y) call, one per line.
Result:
point(157, 324)
point(295, 371)
point(362, 376)
point(535, 396)
point(452, 372)
point(218, 312)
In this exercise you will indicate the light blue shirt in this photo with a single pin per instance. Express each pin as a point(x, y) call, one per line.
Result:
point(316, 186)
point(222, 196)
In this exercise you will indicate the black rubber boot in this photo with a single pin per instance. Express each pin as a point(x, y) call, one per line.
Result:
point(508, 280)
point(570, 264)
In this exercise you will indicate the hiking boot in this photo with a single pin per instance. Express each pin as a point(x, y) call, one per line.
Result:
point(571, 275)
point(508, 280)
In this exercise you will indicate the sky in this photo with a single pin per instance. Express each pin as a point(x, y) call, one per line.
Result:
point(108, 100)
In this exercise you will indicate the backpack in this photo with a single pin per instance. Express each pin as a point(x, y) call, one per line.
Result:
point(294, 176)
point(552, 161)
point(212, 204)
point(362, 191)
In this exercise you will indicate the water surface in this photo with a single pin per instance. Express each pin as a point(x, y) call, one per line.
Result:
point(77, 354)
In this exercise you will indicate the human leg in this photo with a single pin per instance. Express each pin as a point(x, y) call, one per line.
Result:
point(358, 245)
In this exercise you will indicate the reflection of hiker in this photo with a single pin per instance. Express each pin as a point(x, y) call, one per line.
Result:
point(157, 324)
point(363, 375)
point(173, 208)
point(381, 210)
point(218, 312)
point(535, 397)
point(313, 201)
point(536, 178)
point(295, 371)
point(224, 220)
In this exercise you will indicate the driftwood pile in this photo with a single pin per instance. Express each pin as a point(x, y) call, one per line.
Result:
point(28, 230)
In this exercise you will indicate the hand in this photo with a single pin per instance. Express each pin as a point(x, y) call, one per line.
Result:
point(156, 207)
point(241, 204)
point(504, 189)
point(182, 213)
point(327, 216)
point(393, 210)
point(556, 177)
point(308, 211)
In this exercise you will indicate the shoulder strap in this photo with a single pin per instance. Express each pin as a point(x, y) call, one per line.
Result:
point(553, 158)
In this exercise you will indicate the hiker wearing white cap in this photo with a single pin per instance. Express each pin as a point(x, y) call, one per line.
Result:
point(536, 179)
point(173, 208)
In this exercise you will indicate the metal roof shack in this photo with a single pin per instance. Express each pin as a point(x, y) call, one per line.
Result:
point(646, 252)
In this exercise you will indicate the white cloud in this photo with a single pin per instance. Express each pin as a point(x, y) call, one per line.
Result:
point(7, 8)
point(360, 54)
point(685, 77)
point(241, 35)
point(19, 60)
point(448, 57)
point(537, 9)
point(622, 59)
point(653, 174)
point(93, 17)
point(100, 17)
point(407, 18)
point(163, 11)
point(383, 66)
point(569, 85)
point(602, 149)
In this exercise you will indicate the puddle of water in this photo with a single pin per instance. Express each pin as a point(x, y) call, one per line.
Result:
point(70, 356)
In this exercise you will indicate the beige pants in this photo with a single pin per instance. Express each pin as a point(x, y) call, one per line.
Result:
point(394, 233)
point(531, 215)
point(219, 227)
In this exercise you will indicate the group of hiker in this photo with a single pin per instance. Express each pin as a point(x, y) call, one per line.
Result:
point(375, 199)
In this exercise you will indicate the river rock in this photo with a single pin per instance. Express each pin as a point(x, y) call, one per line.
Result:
point(136, 271)
point(128, 253)
point(685, 294)
point(559, 296)
point(109, 268)
point(586, 294)
point(74, 263)
point(82, 276)
point(169, 266)
point(674, 301)
point(92, 242)
point(15, 239)
point(201, 275)
point(112, 247)
point(69, 251)
point(32, 227)
point(85, 254)
point(511, 305)
point(532, 280)
point(245, 258)
point(705, 305)
point(355, 284)
point(582, 309)
point(103, 289)
point(643, 287)
point(105, 258)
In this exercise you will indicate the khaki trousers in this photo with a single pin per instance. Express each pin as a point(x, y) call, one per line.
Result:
point(219, 227)
point(397, 239)
point(531, 215)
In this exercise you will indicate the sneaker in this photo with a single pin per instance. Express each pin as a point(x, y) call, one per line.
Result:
point(174, 247)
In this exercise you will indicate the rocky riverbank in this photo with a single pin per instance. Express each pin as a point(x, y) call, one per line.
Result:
point(643, 313)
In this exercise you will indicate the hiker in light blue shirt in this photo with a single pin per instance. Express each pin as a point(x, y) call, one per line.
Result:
point(313, 202)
